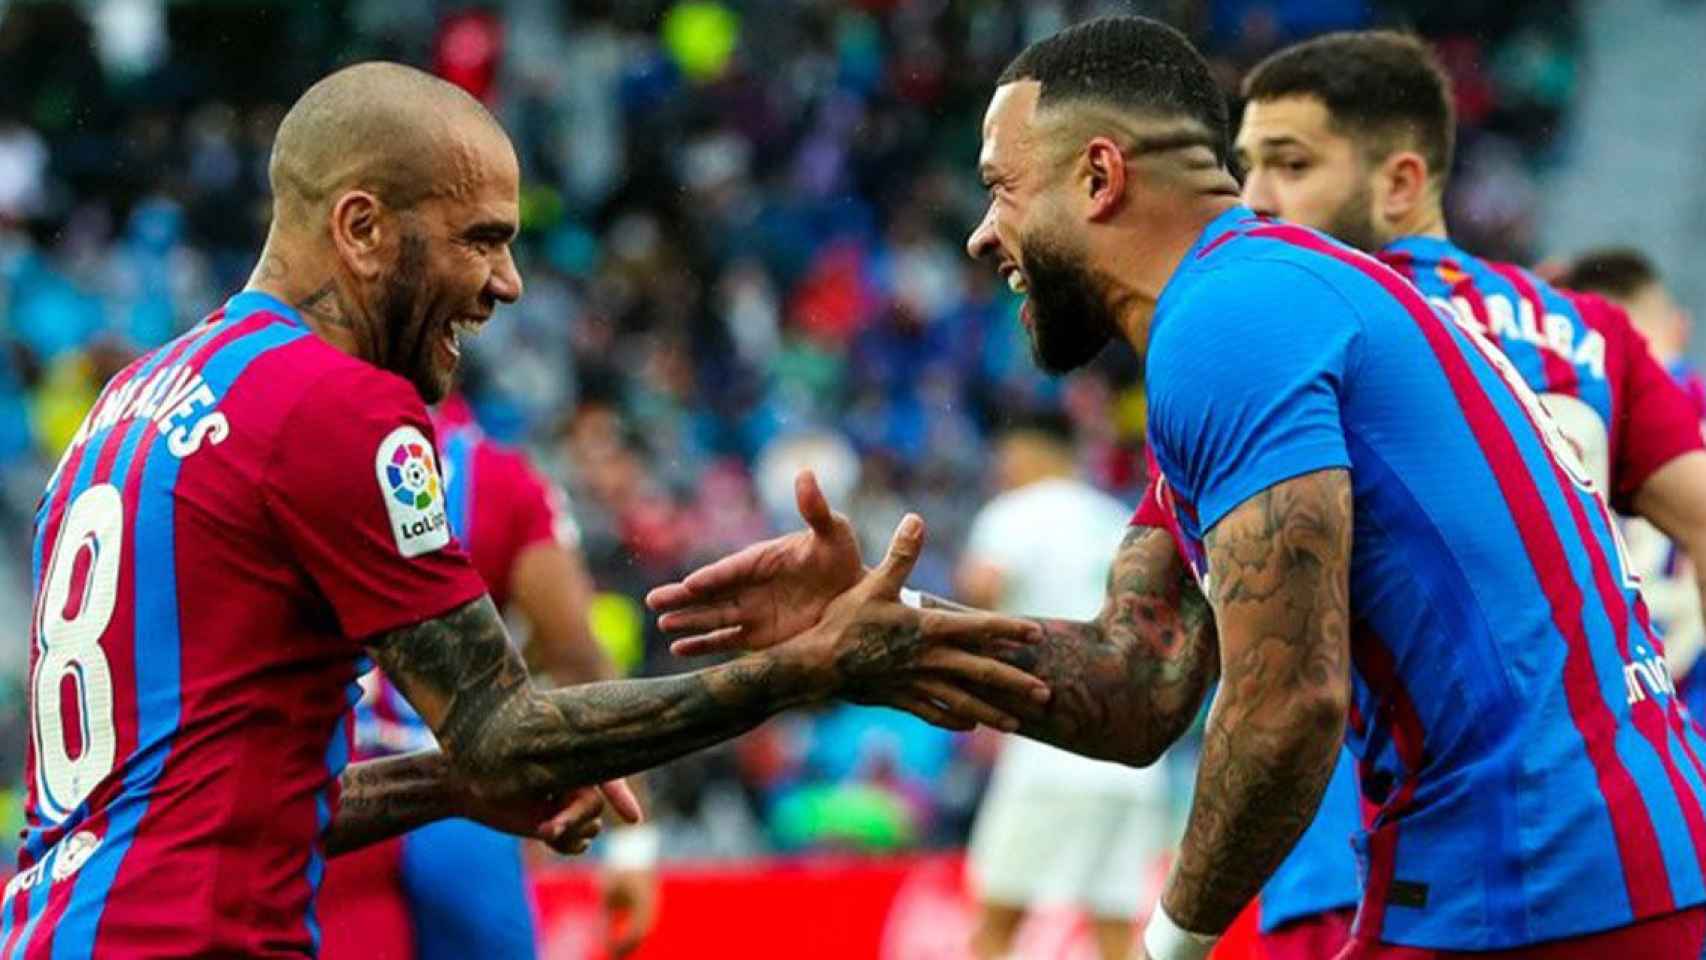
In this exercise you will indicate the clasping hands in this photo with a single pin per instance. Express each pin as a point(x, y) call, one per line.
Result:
point(806, 594)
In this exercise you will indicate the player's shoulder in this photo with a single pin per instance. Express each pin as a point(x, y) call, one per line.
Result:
point(1254, 295)
point(315, 379)
point(1273, 267)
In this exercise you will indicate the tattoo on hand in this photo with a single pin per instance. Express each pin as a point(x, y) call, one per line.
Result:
point(1280, 582)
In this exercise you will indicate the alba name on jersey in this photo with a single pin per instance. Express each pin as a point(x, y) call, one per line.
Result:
point(1530, 775)
point(238, 509)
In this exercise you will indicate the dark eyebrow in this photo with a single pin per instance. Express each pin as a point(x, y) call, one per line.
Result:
point(1281, 141)
point(490, 231)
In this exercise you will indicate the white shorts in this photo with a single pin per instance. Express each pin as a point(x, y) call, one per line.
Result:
point(1049, 840)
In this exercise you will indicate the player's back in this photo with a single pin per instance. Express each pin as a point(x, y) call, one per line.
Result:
point(1579, 352)
point(1514, 726)
point(191, 665)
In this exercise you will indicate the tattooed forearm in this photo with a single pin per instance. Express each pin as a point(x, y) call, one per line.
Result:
point(380, 799)
point(1279, 574)
point(506, 737)
point(1127, 684)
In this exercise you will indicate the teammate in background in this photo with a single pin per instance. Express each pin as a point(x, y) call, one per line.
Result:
point(454, 888)
point(1361, 483)
point(1352, 134)
point(250, 511)
point(1669, 581)
point(1043, 546)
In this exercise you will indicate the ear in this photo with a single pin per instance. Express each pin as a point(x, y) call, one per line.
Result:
point(1103, 177)
point(1402, 185)
point(359, 232)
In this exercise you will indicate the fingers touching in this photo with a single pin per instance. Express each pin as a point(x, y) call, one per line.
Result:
point(904, 548)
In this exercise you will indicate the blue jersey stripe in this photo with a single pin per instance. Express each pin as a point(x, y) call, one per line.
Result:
point(459, 459)
point(1686, 744)
point(157, 644)
point(337, 757)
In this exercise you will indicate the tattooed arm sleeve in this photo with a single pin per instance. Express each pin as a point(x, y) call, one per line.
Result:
point(379, 799)
point(1279, 581)
point(466, 680)
point(1128, 683)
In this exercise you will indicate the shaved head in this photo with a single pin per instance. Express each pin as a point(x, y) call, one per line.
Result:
point(396, 197)
point(400, 133)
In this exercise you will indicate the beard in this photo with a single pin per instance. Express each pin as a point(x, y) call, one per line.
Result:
point(1070, 319)
point(413, 337)
point(1353, 222)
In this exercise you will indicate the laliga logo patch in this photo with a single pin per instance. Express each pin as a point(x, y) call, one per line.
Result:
point(411, 477)
point(408, 478)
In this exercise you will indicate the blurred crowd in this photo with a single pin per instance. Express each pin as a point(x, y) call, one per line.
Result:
point(742, 243)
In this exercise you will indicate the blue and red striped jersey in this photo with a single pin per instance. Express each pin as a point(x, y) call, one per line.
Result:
point(1597, 378)
point(239, 509)
point(1528, 772)
point(1617, 405)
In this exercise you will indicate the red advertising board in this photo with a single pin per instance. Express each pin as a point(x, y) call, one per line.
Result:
point(825, 908)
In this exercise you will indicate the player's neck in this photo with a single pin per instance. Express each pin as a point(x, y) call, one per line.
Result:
point(313, 291)
point(1426, 220)
point(1154, 256)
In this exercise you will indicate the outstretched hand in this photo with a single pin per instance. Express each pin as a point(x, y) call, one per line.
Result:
point(938, 665)
point(770, 591)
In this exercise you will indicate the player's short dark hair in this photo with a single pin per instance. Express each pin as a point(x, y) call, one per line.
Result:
point(1052, 425)
point(1128, 63)
point(1616, 272)
point(1380, 87)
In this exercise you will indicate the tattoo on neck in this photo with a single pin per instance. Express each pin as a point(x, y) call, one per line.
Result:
point(273, 267)
point(326, 306)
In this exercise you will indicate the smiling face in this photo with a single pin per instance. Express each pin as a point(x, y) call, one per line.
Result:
point(1033, 241)
point(452, 267)
point(1298, 168)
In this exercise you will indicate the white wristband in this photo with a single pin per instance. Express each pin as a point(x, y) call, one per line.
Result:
point(633, 848)
point(1166, 940)
point(912, 598)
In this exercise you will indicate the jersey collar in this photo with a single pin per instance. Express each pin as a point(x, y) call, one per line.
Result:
point(1423, 249)
point(249, 302)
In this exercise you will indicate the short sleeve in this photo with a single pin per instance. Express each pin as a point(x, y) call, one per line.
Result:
point(1246, 377)
point(353, 482)
point(1657, 420)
